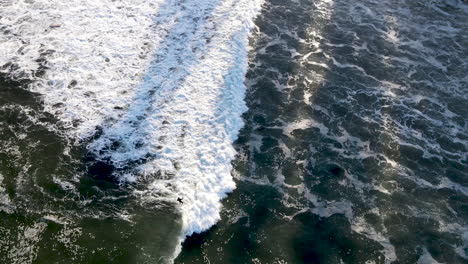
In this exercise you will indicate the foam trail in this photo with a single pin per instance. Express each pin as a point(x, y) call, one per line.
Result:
point(162, 79)
point(91, 51)
point(186, 113)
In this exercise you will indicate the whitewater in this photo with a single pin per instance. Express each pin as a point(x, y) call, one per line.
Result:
point(154, 89)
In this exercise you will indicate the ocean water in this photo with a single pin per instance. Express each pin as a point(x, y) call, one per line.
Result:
point(222, 131)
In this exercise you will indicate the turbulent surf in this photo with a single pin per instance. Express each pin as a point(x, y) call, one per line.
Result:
point(222, 131)
point(154, 90)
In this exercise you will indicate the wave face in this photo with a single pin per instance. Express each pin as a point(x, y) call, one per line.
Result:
point(154, 88)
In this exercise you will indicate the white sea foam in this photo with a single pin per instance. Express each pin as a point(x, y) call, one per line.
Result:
point(5, 202)
point(359, 225)
point(426, 258)
point(305, 124)
point(162, 79)
point(25, 251)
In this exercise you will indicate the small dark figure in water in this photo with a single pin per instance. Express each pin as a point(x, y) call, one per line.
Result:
point(180, 200)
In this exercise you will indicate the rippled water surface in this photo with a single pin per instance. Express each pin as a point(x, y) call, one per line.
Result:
point(119, 129)
point(355, 144)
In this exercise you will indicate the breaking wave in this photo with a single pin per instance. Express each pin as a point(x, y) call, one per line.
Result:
point(155, 89)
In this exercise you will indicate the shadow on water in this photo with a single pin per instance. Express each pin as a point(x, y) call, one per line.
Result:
point(113, 226)
point(180, 50)
point(263, 221)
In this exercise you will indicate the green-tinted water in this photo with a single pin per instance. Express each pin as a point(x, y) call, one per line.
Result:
point(354, 150)
point(355, 146)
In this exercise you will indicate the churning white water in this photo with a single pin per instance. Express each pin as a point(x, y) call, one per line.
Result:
point(162, 82)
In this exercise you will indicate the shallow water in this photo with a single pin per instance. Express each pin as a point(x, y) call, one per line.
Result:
point(353, 147)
